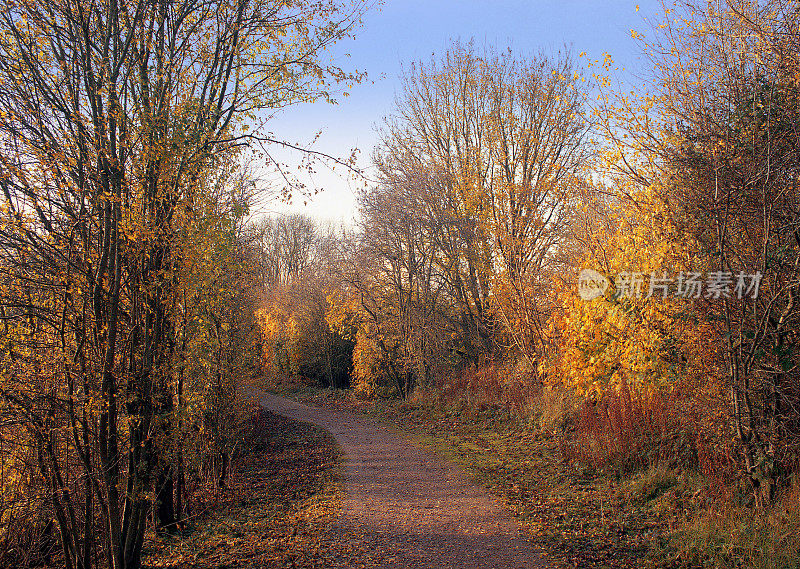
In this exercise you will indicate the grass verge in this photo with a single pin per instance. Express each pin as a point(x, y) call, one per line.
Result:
point(275, 513)
point(576, 515)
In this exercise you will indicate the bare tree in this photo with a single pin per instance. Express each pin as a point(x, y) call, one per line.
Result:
point(494, 146)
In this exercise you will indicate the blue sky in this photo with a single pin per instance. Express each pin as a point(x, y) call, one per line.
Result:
point(402, 31)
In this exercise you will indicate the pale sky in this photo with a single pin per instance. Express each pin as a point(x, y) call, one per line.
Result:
point(403, 31)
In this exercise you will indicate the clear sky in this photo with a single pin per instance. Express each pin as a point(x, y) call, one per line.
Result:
point(402, 31)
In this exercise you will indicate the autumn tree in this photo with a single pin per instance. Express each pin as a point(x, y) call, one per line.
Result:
point(114, 116)
point(216, 334)
point(491, 148)
point(394, 291)
point(718, 135)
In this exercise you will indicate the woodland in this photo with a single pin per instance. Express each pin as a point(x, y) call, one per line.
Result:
point(142, 301)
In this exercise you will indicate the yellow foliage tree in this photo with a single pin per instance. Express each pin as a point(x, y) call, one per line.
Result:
point(642, 332)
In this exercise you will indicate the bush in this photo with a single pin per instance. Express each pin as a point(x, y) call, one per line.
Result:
point(625, 431)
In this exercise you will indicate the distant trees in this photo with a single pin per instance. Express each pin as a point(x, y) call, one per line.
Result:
point(299, 261)
point(460, 238)
point(287, 244)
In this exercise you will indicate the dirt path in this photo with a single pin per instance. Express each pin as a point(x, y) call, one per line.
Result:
point(404, 507)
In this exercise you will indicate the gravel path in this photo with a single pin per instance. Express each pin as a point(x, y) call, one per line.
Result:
point(405, 507)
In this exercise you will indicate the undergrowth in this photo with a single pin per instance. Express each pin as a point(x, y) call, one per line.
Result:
point(275, 514)
point(615, 484)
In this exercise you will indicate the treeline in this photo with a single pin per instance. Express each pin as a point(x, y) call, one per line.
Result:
point(500, 178)
point(299, 271)
point(129, 279)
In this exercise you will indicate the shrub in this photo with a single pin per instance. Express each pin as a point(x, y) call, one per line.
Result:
point(626, 431)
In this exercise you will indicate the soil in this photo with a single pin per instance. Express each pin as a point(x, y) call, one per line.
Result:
point(405, 507)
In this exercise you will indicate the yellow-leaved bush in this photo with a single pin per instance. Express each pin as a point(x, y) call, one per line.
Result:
point(629, 337)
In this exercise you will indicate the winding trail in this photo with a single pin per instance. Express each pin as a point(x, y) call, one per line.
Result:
point(405, 507)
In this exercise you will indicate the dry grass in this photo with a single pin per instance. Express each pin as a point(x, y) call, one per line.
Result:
point(623, 483)
point(726, 535)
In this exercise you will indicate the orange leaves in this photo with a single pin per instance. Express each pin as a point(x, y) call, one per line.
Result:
point(609, 342)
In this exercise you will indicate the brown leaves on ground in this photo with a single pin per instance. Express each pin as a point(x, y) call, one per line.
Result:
point(273, 515)
point(576, 516)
